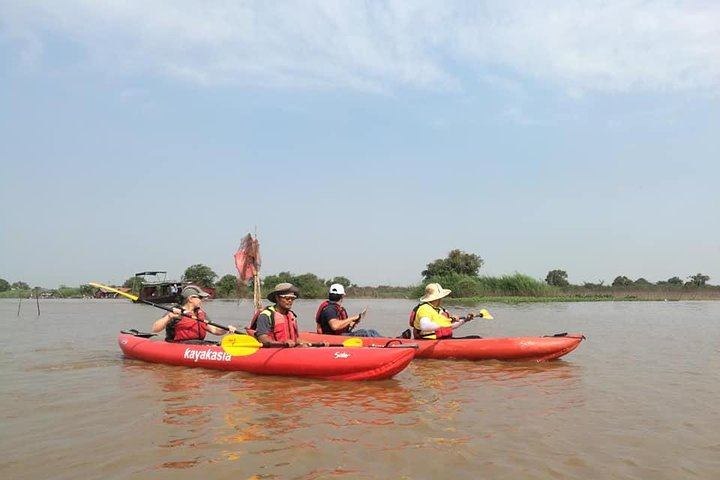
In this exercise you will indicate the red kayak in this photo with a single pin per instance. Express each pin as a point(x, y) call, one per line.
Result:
point(514, 349)
point(326, 363)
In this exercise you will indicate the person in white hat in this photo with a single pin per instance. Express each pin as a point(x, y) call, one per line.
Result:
point(429, 320)
point(182, 329)
point(331, 317)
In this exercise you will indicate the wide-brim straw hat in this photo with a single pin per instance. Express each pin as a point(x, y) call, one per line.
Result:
point(434, 291)
point(282, 289)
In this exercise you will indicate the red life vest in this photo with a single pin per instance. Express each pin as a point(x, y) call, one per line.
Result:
point(440, 333)
point(184, 328)
point(341, 315)
point(283, 327)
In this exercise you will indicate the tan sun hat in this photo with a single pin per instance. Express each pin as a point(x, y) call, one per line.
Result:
point(433, 291)
point(282, 288)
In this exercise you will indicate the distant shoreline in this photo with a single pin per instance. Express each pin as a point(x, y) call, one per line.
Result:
point(615, 295)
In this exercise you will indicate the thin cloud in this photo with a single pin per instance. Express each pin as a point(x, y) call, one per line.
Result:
point(592, 45)
point(516, 115)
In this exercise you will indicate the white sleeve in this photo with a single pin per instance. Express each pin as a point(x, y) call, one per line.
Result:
point(428, 325)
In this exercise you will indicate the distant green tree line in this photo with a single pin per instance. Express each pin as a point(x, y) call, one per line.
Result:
point(558, 278)
point(459, 271)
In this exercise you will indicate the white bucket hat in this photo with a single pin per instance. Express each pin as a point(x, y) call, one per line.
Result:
point(433, 291)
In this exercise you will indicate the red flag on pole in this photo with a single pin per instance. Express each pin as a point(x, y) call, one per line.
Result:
point(247, 262)
point(247, 258)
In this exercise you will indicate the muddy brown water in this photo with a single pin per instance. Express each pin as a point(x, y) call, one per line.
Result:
point(637, 400)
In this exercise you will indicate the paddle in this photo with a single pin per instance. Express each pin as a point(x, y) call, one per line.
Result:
point(354, 324)
point(241, 345)
point(142, 300)
point(482, 314)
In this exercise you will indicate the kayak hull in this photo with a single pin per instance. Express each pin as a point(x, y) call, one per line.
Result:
point(325, 363)
point(512, 349)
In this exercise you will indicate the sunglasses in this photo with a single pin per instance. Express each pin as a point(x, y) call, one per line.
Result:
point(287, 297)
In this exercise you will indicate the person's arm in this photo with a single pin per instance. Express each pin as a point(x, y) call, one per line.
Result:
point(428, 325)
point(215, 329)
point(263, 328)
point(336, 324)
point(457, 322)
point(160, 324)
point(264, 338)
point(428, 319)
point(219, 331)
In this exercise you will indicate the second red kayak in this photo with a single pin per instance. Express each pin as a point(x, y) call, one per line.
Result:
point(514, 349)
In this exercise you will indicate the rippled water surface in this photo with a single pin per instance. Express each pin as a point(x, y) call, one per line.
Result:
point(636, 400)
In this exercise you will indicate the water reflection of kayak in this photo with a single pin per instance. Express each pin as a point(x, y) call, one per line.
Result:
point(515, 349)
point(327, 363)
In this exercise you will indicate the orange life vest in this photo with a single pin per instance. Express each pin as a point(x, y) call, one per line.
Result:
point(184, 328)
point(283, 327)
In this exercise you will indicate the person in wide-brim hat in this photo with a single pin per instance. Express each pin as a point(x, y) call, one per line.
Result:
point(278, 323)
point(430, 321)
point(283, 289)
point(434, 291)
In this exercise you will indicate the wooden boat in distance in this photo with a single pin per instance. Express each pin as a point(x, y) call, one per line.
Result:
point(154, 287)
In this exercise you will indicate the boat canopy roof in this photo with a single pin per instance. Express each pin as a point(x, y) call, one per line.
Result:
point(156, 277)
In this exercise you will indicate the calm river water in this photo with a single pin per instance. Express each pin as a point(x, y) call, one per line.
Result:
point(637, 400)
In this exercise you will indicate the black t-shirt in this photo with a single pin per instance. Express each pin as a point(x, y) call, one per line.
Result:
point(331, 310)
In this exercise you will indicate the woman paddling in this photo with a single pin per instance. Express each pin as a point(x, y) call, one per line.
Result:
point(184, 329)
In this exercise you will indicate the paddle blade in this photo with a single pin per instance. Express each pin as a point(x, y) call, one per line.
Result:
point(485, 314)
point(240, 345)
point(114, 290)
point(353, 342)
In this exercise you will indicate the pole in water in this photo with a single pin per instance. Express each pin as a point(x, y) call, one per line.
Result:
point(19, 303)
point(37, 300)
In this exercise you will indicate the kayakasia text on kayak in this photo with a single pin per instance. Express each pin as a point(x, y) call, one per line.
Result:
point(196, 355)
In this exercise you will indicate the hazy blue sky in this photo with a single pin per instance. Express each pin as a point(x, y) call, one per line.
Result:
point(363, 139)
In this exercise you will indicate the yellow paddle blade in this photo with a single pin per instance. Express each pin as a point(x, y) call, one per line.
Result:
point(485, 314)
point(353, 342)
point(240, 340)
point(240, 345)
point(114, 290)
